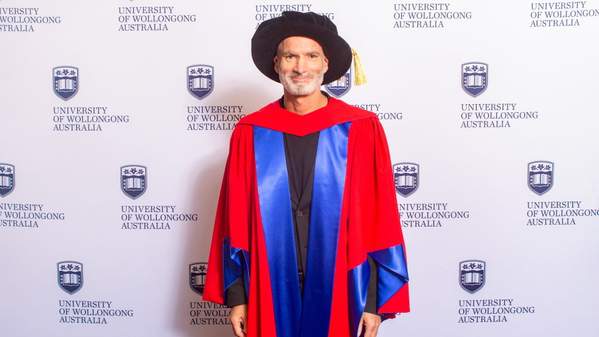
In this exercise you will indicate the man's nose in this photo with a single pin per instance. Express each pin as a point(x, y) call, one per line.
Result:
point(300, 64)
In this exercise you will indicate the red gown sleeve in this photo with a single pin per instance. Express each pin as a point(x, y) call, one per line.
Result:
point(374, 227)
point(231, 225)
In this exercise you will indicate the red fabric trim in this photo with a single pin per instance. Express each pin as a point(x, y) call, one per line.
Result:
point(274, 117)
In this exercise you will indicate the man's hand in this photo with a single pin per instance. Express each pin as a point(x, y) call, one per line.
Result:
point(238, 319)
point(369, 325)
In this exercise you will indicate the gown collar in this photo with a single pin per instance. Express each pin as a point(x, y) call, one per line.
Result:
point(274, 116)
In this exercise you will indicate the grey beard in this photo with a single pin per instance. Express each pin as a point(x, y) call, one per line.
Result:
point(301, 89)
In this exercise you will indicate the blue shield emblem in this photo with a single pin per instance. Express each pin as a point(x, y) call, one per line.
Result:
point(197, 276)
point(7, 179)
point(475, 78)
point(133, 180)
point(341, 86)
point(200, 80)
point(70, 276)
point(540, 176)
point(472, 275)
point(65, 80)
point(406, 176)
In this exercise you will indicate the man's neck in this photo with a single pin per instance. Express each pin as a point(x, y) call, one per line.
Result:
point(302, 105)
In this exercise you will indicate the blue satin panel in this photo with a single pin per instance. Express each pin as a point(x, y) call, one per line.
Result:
point(325, 212)
point(236, 262)
point(392, 272)
point(277, 222)
point(297, 315)
point(358, 291)
point(392, 275)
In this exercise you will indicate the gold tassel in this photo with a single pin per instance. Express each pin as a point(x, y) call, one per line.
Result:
point(359, 75)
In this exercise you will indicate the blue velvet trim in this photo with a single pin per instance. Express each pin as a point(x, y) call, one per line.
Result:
point(358, 291)
point(296, 315)
point(325, 213)
point(392, 272)
point(277, 221)
point(236, 264)
point(392, 275)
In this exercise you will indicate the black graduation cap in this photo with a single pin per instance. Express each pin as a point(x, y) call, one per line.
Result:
point(320, 28)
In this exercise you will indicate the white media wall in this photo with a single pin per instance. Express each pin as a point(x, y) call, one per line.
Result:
point(115, 118)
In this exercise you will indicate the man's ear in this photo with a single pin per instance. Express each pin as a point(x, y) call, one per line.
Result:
point(326, 64)
point(275, 61)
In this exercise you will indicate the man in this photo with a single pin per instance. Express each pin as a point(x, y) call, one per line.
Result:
point(307, 239)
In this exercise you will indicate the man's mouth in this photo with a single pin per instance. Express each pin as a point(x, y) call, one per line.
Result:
point(301, 78)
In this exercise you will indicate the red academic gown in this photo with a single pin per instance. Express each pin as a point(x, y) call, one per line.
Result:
point(354, 214)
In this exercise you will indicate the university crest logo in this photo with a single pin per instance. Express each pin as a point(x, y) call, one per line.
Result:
point(406, 177)
point(7, 179)
point(341, 86)
point(65, 80)
point(133, 180)
point(540, 176)
point(200, 80)
point(475, 78)
point(197, 276)
point(472, 275)
point(70, 276)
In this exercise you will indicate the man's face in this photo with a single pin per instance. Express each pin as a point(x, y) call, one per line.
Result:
point(301, 65)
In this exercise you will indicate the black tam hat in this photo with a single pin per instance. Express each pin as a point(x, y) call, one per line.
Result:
point(320, 28)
